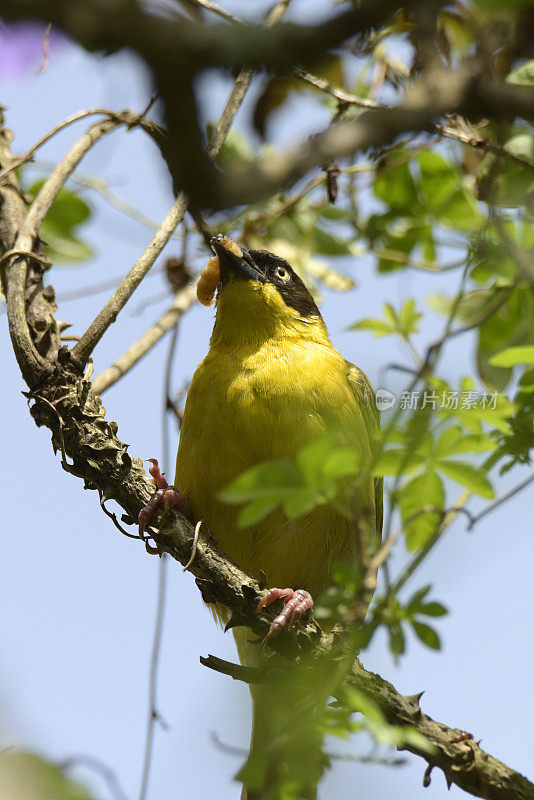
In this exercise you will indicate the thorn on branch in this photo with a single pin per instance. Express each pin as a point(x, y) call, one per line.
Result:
point(194, 546)
point(426, 777)
point(113, 517)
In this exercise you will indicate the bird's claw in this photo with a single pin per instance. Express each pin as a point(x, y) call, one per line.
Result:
point(296, 603)
point(165, 495)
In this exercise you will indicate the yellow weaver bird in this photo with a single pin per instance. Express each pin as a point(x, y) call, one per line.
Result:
point(272, 383)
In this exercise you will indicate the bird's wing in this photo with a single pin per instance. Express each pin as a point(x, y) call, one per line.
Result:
point(363, 391)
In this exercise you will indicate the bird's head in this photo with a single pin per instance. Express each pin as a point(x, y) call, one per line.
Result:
point(261, 296)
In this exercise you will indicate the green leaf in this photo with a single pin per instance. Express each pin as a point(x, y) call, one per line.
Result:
point(362, 703)
point(507, 183)
point(408, 318)
point(334, 213)
point(455, 440)
point(473, 443)
point(438, 179)
point(395, 184)
point(425, 490)
point(396, 461)
point(416, 599)
point(427, 635)
point(329, 245)
point(513, 356)
point(397, 642)
point(64, 249)
point(527, 381)
point(304, 501)
point(310, 459)
point(257, 510)
point(448, 440)
point(342, 463)
point(275, 479)
point(461, 212)
point(67, 213)
point(512, 325)
point(433, 609)
point(473, 478)
point(403, 323)
point(377, 326)
point(346, 575)
point(522, 75)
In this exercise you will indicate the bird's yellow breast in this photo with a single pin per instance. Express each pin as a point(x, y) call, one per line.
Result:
point(255, 403)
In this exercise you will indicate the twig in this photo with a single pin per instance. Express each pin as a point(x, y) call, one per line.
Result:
point(113, 518)
point(474, 139)
point(240, 87)
point(231, 750)
point(500, 501)
point(215, 9)
point(153, 715)
point(62, 125)
point(379, 760)
point(250, 675)
point(107, 316)
point(56, 180)
point(193, 546)
point(499, 299)
point(344, 97)
point(469, 137)
point(182, 302)
point(99, 766)
point(102, 322)
point(46, 47)
point(449, 517)
point(162, 576)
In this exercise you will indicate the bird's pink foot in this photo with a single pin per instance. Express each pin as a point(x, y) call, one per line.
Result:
point(296, 604)
point(165, 495)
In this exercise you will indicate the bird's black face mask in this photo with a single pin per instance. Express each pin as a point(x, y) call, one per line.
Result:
point(265, 272)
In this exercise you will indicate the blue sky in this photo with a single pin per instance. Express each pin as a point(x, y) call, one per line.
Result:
point(77, 615)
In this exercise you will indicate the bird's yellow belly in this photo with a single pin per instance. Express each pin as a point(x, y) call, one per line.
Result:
point(238, 417)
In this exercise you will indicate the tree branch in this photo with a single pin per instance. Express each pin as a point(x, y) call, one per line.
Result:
point(171, 47)
point(182, 302)
point(184, 299)
point(439, 91)
point(83, 349)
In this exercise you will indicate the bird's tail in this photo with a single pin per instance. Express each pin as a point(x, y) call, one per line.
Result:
point(284, 748)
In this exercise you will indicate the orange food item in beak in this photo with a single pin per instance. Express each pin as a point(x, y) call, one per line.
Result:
point(210, 278)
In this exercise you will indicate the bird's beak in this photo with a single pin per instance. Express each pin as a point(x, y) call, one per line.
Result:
point(235, 260)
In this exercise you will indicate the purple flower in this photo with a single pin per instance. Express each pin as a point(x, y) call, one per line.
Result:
point(23, 47)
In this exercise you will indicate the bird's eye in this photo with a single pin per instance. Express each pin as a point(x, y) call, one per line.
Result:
point(282, 273)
